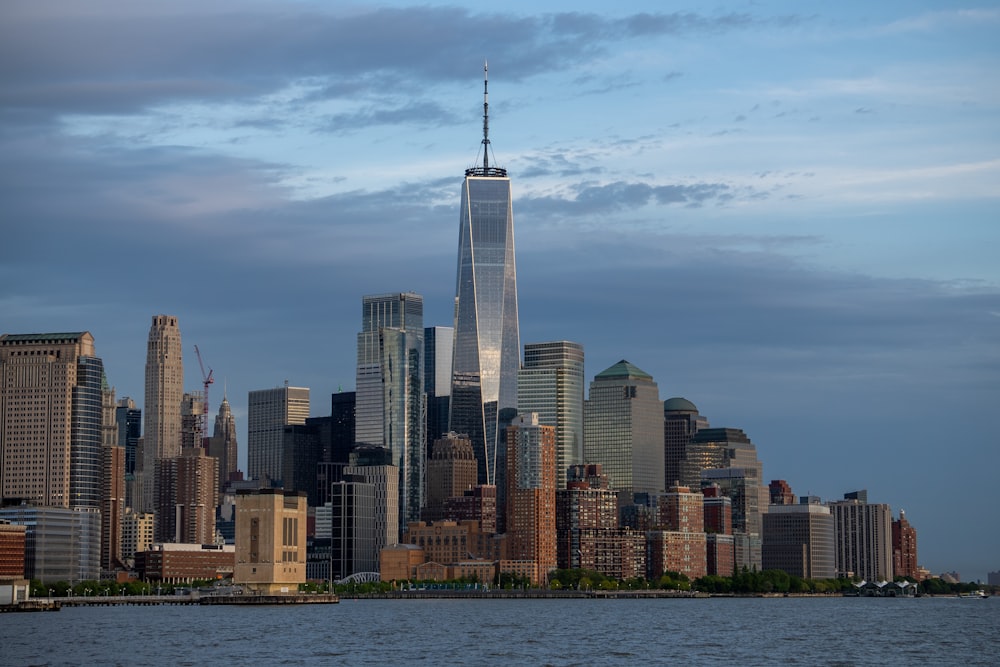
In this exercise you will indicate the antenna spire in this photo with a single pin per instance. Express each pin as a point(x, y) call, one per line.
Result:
point(486, 116)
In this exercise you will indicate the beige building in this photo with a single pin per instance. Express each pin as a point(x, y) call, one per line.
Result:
point(451, 471)
point(270, 541)
point(162, 413)
point(137, 533)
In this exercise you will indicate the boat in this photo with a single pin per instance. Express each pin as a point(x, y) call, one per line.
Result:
point(974, 595)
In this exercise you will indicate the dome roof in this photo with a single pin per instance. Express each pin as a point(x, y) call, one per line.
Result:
point(678, 404)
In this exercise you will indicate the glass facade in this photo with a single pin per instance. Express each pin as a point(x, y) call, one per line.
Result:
point(487, 341)
point(85, 447)
point(551, 384)
point(390, 403)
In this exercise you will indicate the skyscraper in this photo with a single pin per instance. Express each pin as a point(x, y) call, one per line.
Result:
point(129, 421)
point(162, 410)
point(862, 538)
point(51, 411)
point(680, 422)
point(623, 424)
point(268, 411)
point(487, 340)
point(531, 494)
point(222, 445)
point(904, 548)
point(551, 384)
point(438, 345)
point(390, 405)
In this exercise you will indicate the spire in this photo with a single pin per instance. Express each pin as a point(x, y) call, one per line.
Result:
point(486, 116)
point(486, 169)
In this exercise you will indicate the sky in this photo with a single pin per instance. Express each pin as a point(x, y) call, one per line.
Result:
point(787, 213)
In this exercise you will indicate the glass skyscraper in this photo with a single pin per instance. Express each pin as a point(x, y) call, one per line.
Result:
point(487, 341)
point(390, 408)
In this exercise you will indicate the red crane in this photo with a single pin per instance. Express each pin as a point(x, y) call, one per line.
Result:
point(206, 380)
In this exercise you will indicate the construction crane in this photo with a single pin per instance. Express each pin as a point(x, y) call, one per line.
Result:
point(206, 380)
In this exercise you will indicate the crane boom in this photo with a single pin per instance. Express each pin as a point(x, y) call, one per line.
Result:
point(206, 381)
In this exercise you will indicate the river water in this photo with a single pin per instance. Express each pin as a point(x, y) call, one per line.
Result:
point(731, 631)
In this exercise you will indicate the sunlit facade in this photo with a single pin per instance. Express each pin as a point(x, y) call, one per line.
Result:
point(487, 341)
point(164, 395)
point(390, 407)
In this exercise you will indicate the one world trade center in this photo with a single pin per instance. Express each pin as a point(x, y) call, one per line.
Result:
point(487, 342)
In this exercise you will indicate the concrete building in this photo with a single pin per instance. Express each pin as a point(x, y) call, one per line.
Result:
point(187, 497)
point(162, 408)
point(268, 412)
point(270, 541)
point(451, 471)
point(137, 533)
point(531, 494)
point(799, 539)
point(551, 383)
point(680, 422)
point(862, 538)
point(623, 429)
point(51, 419)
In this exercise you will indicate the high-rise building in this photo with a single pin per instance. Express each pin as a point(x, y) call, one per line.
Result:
point(531, 494)
point(222, 445)
point(342, 426)
point(904, 548)
point(112, 487)
point(862, 538)
point(162, 411)
point(62, 544)
point(137, 533)
point(780, 492)
point(192, 420)
point(268, 412)
point(438, 345)
point(352, 545)
point(129, 421)
point(390, 407)
point(451, 471)
point(551, 384)
point(679, 543)
point(373, 465)
point(680, 422)
point(798, 539)
point(487, 340)
point(623, 429)
point(51, 419)
point(188, 495)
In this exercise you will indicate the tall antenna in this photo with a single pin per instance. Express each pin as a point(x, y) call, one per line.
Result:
point(486, 116)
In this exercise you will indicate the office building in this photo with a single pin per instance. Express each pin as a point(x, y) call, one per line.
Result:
point(798, 539)
point(223, 445)
point(451, 471)
point(112, 486)
point(439, 343)
point(137, 533)
point(749, 502)
point(162, 410)
point(531, 494)
point(390, 406)
point(623, 429)
point(62, 544)
point(268, 412)
point(128, 418)
point(186, 563)
point(680, 422)
point(270, 541)
point(551, 384)
point(342, 426)
point(188, 495)
point(373, 465)
point(904, 549)
point(51, 419)
point(352, 534)
point(301, 456)
point(862, 538)
point(487, 339)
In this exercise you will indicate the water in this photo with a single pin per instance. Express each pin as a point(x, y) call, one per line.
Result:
point(755, 631)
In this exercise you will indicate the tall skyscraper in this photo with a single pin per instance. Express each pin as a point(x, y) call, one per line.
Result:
point(268, 411)
point(112, 486)
point(487, 340)
point(451, 471)
point(904, 548)
point(52, 417)
point(551, 384)
point(531, 494)
point(390, 406)
point(129, 421)
point(623, 425)
point(438, 345)
point(162, 410)
point(222, 445)
point(680, 422)
point(187, 497)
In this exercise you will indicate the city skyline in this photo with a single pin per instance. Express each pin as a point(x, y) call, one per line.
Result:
point(787, 219)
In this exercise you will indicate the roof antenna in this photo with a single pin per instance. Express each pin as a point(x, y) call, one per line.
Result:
point(486, 117)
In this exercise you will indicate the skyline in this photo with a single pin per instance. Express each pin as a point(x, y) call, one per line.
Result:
point(788, 219)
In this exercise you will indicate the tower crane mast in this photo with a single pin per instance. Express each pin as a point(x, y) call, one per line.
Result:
point(206, 381)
